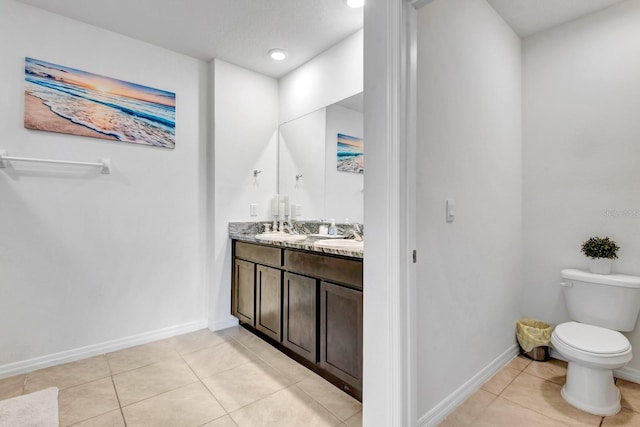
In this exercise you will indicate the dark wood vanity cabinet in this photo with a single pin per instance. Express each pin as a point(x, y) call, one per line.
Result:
point(300, 312)
point(341, 333)
point(269, 301)
point(243, 291)
point(256, 287)
point(310, 304)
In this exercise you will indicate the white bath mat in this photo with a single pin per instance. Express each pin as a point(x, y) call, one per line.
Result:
point(38, 409)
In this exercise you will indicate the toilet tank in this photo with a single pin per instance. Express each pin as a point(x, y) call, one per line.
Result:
point(611, 301)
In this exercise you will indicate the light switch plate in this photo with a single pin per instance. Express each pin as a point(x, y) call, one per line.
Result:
point(451, 210)
point(253, 209)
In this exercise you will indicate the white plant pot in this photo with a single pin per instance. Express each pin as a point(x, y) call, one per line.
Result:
point(600, 265)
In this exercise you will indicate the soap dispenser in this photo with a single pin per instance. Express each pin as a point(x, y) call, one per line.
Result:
point(333, 230)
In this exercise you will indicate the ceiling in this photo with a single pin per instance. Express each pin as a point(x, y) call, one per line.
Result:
point(527, 17)
point(238, 31)
point(242, 31)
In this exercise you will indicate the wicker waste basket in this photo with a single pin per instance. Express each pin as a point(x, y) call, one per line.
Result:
point(534, 337)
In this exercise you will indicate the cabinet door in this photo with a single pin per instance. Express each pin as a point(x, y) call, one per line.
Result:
point(243, 292)
point(341, 333)
point(299, 317)
point(269, 301)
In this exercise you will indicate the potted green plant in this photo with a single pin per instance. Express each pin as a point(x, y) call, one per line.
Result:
point(602, 251)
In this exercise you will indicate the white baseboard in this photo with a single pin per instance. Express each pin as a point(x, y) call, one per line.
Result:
point(436, 415)
point(628, 374)
point(35, 363)
point(223, 324)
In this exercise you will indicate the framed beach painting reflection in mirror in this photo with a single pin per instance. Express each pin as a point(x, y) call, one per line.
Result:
point(66, 100)
point(350, 154)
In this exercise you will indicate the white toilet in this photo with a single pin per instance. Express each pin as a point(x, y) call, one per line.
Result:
point(601, 305)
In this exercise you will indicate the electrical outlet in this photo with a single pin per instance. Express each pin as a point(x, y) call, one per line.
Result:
point(253, 209)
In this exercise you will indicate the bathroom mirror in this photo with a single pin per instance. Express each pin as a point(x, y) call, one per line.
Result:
point(321, 162)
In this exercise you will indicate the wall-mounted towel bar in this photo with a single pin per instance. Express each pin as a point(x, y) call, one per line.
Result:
point(105, 164)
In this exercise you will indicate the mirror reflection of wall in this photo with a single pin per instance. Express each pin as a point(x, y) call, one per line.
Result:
point(308, 163)
point(343, 190)
point(301, 165)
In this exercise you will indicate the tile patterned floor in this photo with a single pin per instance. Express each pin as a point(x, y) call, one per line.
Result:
point(526, 393)
point(229, 378)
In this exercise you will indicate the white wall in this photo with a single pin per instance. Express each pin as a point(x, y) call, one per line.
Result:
point(581, 146)
point(469, 272)
point(332, 76)
point(245, 111)
point(344, 190)
point(88, 259)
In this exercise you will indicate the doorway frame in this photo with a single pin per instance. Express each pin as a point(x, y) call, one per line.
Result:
point(389, 365)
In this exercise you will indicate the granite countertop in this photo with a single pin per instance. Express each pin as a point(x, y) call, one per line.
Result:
point(247, 233)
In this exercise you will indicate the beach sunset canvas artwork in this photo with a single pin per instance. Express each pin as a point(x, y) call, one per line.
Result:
point(350, 154)
point(66, 100)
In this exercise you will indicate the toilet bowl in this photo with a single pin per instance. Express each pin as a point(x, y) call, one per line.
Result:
point(600, 306)
point(592, 353)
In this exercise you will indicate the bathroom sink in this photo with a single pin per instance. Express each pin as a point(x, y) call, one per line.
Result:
point(280, 237)
point(340, 244)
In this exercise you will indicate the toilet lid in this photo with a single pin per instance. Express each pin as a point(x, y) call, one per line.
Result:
point(592, 339)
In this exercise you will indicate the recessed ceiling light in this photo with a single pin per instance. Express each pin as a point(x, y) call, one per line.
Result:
point(355, 3)
point(278, 54)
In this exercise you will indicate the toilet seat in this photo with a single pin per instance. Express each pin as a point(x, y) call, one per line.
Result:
point(591, 345)
point(593, 353)
point(593, 340)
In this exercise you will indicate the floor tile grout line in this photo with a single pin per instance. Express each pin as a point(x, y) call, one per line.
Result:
point(506, 386)
point(115, 390)
point(495, 397)
point(215, 419)
point(532, 409)
point(68, 387)
point(159, 394)
point(327, 409)
point(199, 380)
point(262, 398)
point(145, 365)
point(102, 413)
point(295, 383)
point(94, 417)
point(181, 357)
point(266, 363)
point(218, 372)
point(182, 354)
point(206, 388)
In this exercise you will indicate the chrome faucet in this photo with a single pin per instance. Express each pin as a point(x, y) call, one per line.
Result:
point(356, 232)
point(287, 227)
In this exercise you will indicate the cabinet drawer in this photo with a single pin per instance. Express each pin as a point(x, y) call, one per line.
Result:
point(344, 271)
point(260, 254)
